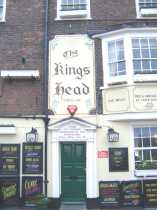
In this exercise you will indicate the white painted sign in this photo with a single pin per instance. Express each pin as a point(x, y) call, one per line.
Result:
point(145, 98)
point(71, 72)
point(116, 100)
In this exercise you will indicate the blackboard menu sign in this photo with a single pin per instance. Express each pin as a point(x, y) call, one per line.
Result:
point(9, 191)
point(9, 159)
point(131, 193)
point(118, 159)
point(31, 187)
point(32, 158)
point(150, 192)
point(109, 194)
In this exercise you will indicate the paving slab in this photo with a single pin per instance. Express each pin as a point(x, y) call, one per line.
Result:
point(73, 207)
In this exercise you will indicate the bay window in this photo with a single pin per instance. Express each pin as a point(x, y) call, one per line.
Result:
point(130, 57)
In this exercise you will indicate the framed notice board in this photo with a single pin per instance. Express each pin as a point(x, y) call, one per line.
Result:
point(9, 190)
point(110, 194)
point(150, 192)
point(10, 159)
point(32, 158)
point(118, 159)
point(32, 186)
point(131, 193)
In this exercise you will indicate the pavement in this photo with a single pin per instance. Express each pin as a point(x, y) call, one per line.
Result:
point(74, 207)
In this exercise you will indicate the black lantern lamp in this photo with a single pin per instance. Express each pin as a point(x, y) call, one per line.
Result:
point(112, 135)
point(32, 136)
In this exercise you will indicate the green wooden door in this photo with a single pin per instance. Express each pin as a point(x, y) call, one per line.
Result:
point(73, 171)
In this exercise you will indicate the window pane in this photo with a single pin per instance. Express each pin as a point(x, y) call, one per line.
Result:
point(137, 65)
point(120, 45)
point(120, 55)
point(111, 52)
point(153, 53)
point(145, 132)
point(137, 132)
point(135, 43)
point(153, 131)
point(146, 142)
point(83, 1)
point(136, 53)
point(154, 64)
point(1, 2)
point(154, 154)
point(154, 141)
point(138, 142)
point(1, 12)
point(154, 136)
point(138, 155)
point(153, 43)
point(113, 69)
point(144, 43)
point(145, 53)
point(146, 154)
point(121, 66)
point(146, 65)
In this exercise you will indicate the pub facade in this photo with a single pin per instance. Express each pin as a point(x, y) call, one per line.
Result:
point(78, 103)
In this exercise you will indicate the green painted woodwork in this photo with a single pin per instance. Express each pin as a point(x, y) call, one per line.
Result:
point(73, 157)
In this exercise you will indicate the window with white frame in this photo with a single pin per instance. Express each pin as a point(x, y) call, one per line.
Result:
point(116, 59)
point(2, 10)
point(146, 8)
point(144, 55)
point(145, 143)
point(70, 9)
point(68, 5)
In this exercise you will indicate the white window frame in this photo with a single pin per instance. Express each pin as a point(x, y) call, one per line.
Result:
point(126, 35)
point(145, 12)
point(73, 14)
point(144, 173)
point(4, 11)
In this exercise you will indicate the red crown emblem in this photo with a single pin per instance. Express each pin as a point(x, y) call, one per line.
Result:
point(72, 109)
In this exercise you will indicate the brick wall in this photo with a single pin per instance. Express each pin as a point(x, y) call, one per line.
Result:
point(104, 13)
point(21, 36)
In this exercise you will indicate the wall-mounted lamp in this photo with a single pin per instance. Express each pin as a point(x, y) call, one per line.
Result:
point(112, 135)
point(32, 136)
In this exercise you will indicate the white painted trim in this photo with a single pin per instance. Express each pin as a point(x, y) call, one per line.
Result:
point(131, 116)
point(7, 130)
point(137, 9)
point(145, 173)
point(149, 12)
point(91, 181)
point(131, 31)
point(20, 73)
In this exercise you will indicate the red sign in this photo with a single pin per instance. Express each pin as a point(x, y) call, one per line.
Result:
point(103, 154)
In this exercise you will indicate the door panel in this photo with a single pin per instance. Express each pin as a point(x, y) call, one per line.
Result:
point(73, 157)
